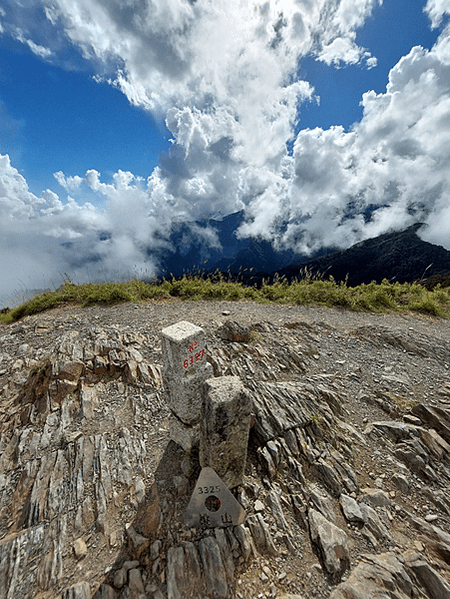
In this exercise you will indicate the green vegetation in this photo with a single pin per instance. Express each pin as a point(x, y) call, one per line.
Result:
point(370, 297)
point(403, 404)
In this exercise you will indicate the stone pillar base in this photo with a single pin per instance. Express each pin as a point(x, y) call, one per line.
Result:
point(186, 436)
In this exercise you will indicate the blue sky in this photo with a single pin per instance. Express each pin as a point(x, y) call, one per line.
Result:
point(120, 118)
point(390, 33)
point(72, 123)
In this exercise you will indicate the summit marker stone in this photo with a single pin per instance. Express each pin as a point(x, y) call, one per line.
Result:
point(225, 428)
point(184, 371)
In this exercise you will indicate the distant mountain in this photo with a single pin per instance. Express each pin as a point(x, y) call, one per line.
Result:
point(188, 253)
point(400, 256)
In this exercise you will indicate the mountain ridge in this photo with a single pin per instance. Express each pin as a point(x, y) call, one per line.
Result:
point(396, 256)
point(400, 256)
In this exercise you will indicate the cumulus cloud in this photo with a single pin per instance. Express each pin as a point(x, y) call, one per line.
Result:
point(43, 237)
point(30, 258)
point(224, 76)
point(69, 183)
point(391, 170)
point(344, 50)
point(337, 39)
point(436, 10)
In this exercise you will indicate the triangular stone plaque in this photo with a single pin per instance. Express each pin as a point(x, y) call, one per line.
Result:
point(212, 503)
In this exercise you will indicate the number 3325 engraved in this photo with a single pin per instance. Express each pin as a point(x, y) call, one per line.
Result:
point(209, 490)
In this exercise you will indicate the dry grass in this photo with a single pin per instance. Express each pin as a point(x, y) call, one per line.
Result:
point(369, 298)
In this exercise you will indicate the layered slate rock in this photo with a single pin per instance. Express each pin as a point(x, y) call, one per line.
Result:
point(429, 579)
point(92, 493)
point(280, 407)
point(67, 457)
point(332, 542)
point(376, 577)
point(351, 509)
point(235, 331)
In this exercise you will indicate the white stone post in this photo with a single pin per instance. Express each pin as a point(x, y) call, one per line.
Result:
point(225, 428)
point(185, 369)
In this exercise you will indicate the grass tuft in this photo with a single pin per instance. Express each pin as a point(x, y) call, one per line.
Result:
point(370, 297)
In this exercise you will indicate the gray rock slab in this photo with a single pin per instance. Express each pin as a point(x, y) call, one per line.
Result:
point(351, 509)
point(277, 511)
point(82, 590)
point(234, 331)
point(227, 557)
point(105, 592)
point(120, 578)
point(245, 541)
point(192, 564)
point(137, 543)
point(213, 567)
point(329, 476)
point(322, 503)
point(135, 581)
point(183, 573)
point(175, 572)
point(401, 482)
point(376, 577)
point(267, 461)
point(183, 434)
point(374, 523)
point(291, 441)
point(346, 473)
point(430, 580)
point(284, 406)
point(79, 548)
point(436, 417)
point(395, 430)
point(261, 534)
point(375, 497)
point(332, 542)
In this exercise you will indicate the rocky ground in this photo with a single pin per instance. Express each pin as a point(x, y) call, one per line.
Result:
point(347, 485)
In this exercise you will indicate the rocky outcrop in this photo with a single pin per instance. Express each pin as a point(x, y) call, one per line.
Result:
point(345, 486)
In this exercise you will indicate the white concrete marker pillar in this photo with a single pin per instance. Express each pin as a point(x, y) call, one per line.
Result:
point(185, 369)
point(225, 428)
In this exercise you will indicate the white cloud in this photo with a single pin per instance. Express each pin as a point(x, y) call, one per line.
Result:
point(40, 51)
point(344, 50)
point(224, 77)
point(338, 33)
point(69, 183)
point(436, 10)
point(391, 170)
